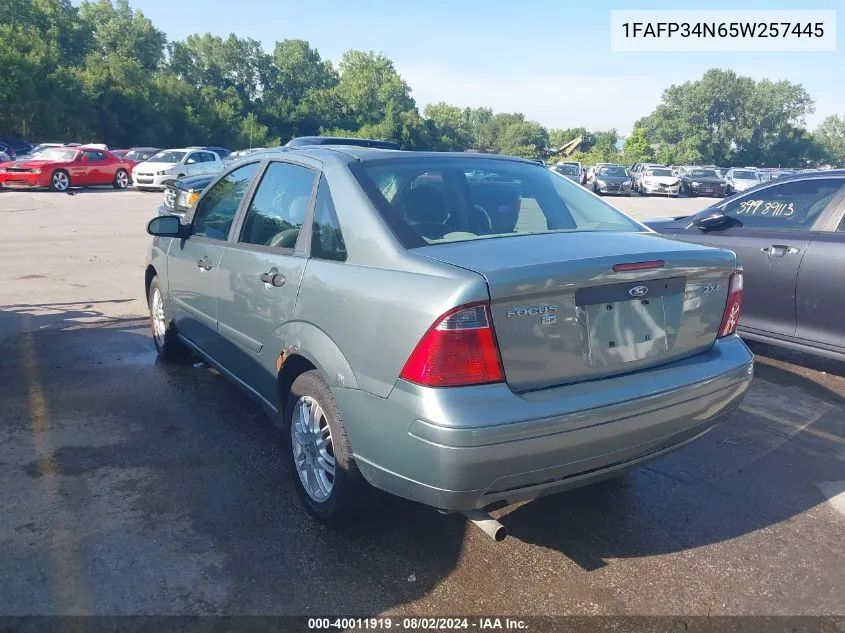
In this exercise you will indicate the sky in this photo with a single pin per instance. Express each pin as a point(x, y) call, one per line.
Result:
point(549, 59)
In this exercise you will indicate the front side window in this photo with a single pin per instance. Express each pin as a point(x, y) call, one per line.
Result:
point(790, 205)
point(216, 211)
point(278, 209)
point(93, 156)
point(448, 199)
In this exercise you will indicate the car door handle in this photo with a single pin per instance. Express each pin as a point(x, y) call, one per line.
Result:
point(779, 250)
point(273, 278)
point(204, 263)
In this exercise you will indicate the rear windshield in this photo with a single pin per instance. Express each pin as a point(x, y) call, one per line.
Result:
point(436, 200)
point(703, 173)
point(167, 157)
point(745, 175)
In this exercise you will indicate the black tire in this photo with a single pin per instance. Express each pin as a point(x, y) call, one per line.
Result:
point(121, 179)
point(168, 345)
point(55, 186)
point(348, 486)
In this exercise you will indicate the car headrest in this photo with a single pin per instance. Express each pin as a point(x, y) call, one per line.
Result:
point(426, 205)
point(299, 209)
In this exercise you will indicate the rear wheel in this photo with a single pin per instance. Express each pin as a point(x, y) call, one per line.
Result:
point(167, 343)
point(322, 468)
point(121, 179)
point(59, 181)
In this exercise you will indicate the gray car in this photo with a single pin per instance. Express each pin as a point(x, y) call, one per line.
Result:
point(612, 179)
point(739, 180)
point(790, 235)
point(457, 329)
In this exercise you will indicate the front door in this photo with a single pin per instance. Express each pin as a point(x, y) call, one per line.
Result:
point(261, 273)
point(194, 263)
point(771, 233)
point(94, 163)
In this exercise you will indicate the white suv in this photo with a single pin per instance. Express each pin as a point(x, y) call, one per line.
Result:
point(170, 164)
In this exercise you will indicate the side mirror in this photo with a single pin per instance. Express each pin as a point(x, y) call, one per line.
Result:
point(190, 161)
point(711, 220)
point(167, 226)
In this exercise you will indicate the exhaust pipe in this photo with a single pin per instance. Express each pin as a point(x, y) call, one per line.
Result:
point(490, 526)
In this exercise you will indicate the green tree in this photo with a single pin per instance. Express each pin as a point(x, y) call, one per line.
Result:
point(120, 30)
point(369, 84)
point(637, 149)
point(830, 138)
point(724, 117)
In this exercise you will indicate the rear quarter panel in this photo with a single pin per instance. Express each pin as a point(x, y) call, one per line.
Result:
point(374, 317)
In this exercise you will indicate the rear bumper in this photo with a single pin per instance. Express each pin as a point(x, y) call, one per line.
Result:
point(465, 448)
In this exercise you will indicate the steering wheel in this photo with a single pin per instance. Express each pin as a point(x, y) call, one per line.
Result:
point(478, 207)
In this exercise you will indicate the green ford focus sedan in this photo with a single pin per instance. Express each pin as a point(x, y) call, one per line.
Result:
point(458, 329)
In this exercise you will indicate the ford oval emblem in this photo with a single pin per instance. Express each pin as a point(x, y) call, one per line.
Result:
point(638, 291)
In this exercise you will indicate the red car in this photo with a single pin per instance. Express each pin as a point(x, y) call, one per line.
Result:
point(60, 168)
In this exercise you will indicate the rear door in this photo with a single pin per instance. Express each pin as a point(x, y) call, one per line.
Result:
point(821, 286)
point(260, 274)
point(193, 263)
point(772, 229)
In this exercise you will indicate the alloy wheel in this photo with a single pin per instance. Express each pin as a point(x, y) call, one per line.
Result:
point(159, 320)
point(60, 181)
point(313, 453)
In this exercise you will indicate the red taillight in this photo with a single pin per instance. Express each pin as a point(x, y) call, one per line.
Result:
point(730, 318)
point(459, 349)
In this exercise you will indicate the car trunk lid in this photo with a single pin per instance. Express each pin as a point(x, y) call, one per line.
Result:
point(562, 313)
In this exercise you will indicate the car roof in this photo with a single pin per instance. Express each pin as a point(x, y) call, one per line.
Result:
point(140, 149)
point(347, 153)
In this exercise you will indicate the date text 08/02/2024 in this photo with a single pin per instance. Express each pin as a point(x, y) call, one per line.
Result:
point(416, 624)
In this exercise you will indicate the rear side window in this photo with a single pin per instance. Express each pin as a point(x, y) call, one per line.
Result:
point(326, 237)
point(436, 200)
point(790, 205)
point(279, 207)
